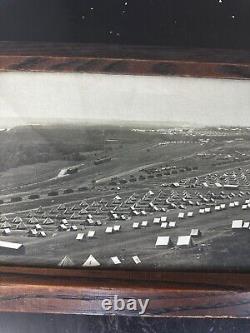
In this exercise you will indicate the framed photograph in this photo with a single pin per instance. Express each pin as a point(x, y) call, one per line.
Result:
point(124, 173)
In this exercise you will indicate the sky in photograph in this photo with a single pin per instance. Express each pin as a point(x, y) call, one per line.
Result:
point(34, 97)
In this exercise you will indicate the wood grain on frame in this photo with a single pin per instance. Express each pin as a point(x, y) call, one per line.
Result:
point(190, 294)
point(112, 59)
point(175, 294)
point(171, 294)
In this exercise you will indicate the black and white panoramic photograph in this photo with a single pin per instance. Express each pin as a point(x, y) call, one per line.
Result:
point(124, 171)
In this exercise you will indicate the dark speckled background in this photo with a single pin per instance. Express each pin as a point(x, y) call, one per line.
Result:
point(189, 23)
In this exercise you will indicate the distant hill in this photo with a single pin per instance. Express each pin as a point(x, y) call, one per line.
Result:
point(11, 122)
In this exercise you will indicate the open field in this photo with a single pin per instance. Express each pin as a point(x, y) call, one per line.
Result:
point(215, 228)
point(125, 178)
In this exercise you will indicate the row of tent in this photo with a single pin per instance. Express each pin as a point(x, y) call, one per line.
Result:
point(31, 232)
point(115, 216)
point(133, 199)
point(20, 225)
point(91, 261)
point(182, 241)
point(82, 207)
point(240, 224)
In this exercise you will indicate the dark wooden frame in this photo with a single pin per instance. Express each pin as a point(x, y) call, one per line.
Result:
point(171, 294)
point(114, 59)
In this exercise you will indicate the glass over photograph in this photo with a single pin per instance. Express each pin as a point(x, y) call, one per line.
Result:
point(128, 172)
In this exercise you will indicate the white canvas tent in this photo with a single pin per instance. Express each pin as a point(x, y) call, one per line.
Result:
point(64, 221)
point(195, 233)
point(17, 219)
point(172, 224)
point(60, 207)
point(144, 224)
point(136, 260)
point(117, 228)
point(80, 236)
point(21, 225)
point(90, 221)
point(156, 220)
point(62, 227)
point(40, 210)
point(66, 262)
point(246, 225)
point(6, 231)
point(73, 228)
point(184, 241)
point(32, 233)
point(109, 230)
point(3, 218)
point(115, 260)
point(237, 224)
point(48, 221)
point(91, 233)
point(10, 245)
point(5, 224)
point(42, 233)
point(33, 220)
point(162, 241)
point(181, 215)
point(91, 262)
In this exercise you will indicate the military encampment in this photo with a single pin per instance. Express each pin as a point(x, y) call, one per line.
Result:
point(93, 180)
